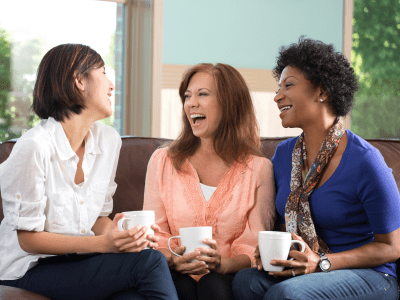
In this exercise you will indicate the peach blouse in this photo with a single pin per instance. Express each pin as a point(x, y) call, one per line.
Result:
point(241, 206)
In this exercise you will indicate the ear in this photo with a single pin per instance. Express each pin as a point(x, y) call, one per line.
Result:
point(323, 94)
point(80, 83)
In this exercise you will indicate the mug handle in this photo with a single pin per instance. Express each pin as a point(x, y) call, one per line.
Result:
point(169, 246)
point(121, 223)
point(303, 246)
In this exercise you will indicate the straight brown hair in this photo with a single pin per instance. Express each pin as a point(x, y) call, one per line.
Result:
point(237, 135)
point(55, 93)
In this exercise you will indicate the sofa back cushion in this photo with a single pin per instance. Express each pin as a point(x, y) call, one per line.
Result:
point(136, 152)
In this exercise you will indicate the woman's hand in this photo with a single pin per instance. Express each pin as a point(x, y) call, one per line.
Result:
point(213, 260)
point(153, 239)
point(184, 264)
point(258, 259)
point(303, 262)
point(132, 240)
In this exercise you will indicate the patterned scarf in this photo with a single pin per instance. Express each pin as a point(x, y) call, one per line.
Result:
point(297, 211)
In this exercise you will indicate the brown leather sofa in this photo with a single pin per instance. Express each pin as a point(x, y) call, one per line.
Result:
point(134, 156)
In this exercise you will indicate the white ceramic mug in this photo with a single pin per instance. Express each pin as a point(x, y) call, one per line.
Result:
point(275, 245)
point(133, 218)
point(191, 238)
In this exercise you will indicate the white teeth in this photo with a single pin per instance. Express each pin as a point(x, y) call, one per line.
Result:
point(285, 108)
point(197, 116)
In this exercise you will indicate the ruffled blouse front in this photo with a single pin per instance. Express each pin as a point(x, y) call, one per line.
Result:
point(241, 206)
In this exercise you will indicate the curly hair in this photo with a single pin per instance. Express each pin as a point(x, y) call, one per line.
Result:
point(237, 136)
point(324, 68)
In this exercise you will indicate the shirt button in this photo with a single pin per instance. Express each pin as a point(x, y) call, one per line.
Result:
point(207, 205)
point(87, 175)
point(83, 231)
point(81, 202)
point(18, 196)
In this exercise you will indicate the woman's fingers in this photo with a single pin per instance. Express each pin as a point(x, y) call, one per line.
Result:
point(138, 231)
point(138, 248)
point(179, 250)
point(117, 217)
point(133, 243)
point(188, 257)
point(197, 271)
point(207, 251)
point(186, 264)
point(258, 258)
point(189, 268)
point(212, 243)
point(153, 238)
point(284, 273)
point(156, 228)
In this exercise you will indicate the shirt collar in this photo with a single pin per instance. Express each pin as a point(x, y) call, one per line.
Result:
point(91, 144)
point(62, 144)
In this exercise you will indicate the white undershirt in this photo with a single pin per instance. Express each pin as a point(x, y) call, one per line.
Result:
point(207, 191)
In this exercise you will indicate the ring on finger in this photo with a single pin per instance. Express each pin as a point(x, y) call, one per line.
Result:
point(293, 274)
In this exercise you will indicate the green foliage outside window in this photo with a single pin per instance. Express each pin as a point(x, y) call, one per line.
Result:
point(376, 60)
point(5, 86)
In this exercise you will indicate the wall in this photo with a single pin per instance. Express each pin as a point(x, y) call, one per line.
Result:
point(246, 35)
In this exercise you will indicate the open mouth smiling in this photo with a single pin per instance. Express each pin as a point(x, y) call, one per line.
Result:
point(285, 108)
point(197, 118)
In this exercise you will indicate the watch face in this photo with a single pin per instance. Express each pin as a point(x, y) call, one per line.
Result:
point(325, 265)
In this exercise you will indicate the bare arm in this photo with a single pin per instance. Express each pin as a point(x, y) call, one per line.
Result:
point(42, 242)
point(101, 225)
point(385, 248)
point(112, 240)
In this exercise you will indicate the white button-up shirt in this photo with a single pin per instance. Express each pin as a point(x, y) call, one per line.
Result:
point(39, 192)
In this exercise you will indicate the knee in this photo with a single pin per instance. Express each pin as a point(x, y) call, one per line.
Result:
point(147, 260)
point(242, 279)
point(282, 291)
point(153, 258)
point(244, 284)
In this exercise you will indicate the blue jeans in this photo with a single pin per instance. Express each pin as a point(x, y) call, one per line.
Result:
point(360, 284)
point(143, 275)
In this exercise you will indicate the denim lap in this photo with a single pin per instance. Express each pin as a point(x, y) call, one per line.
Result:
point(142, 275)
point(360, 284)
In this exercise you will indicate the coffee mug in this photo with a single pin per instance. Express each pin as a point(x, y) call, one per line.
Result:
point(191, 238)
point(275, 245)
point(133, 218)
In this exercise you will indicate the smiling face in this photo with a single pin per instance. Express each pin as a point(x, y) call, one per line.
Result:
point(298, 99)
point(201, 105)
point(97, 90)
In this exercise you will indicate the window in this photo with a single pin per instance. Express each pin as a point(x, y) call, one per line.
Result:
point(39, 26)
point(376, 60)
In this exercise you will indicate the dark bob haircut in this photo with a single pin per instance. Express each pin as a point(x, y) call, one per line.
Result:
point(324, 67)
point(55, 93)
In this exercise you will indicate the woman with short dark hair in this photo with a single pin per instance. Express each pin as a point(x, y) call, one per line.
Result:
point(334, 190)
point(213, 174)
point(57, 187)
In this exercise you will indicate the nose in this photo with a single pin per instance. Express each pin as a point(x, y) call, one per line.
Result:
point(111, 86)
point(192, 101)
point(278, 96)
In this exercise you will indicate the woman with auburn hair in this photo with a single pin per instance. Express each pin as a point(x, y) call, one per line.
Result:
point(213, 174)
point(334, 191)
point(57, 187)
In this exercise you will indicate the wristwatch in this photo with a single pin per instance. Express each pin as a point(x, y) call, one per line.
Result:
point(324, 263)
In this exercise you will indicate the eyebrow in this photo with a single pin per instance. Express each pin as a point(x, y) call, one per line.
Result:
point(284, 80)
point(199, 90)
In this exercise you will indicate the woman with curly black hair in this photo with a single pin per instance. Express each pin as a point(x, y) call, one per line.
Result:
point(334, 190)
